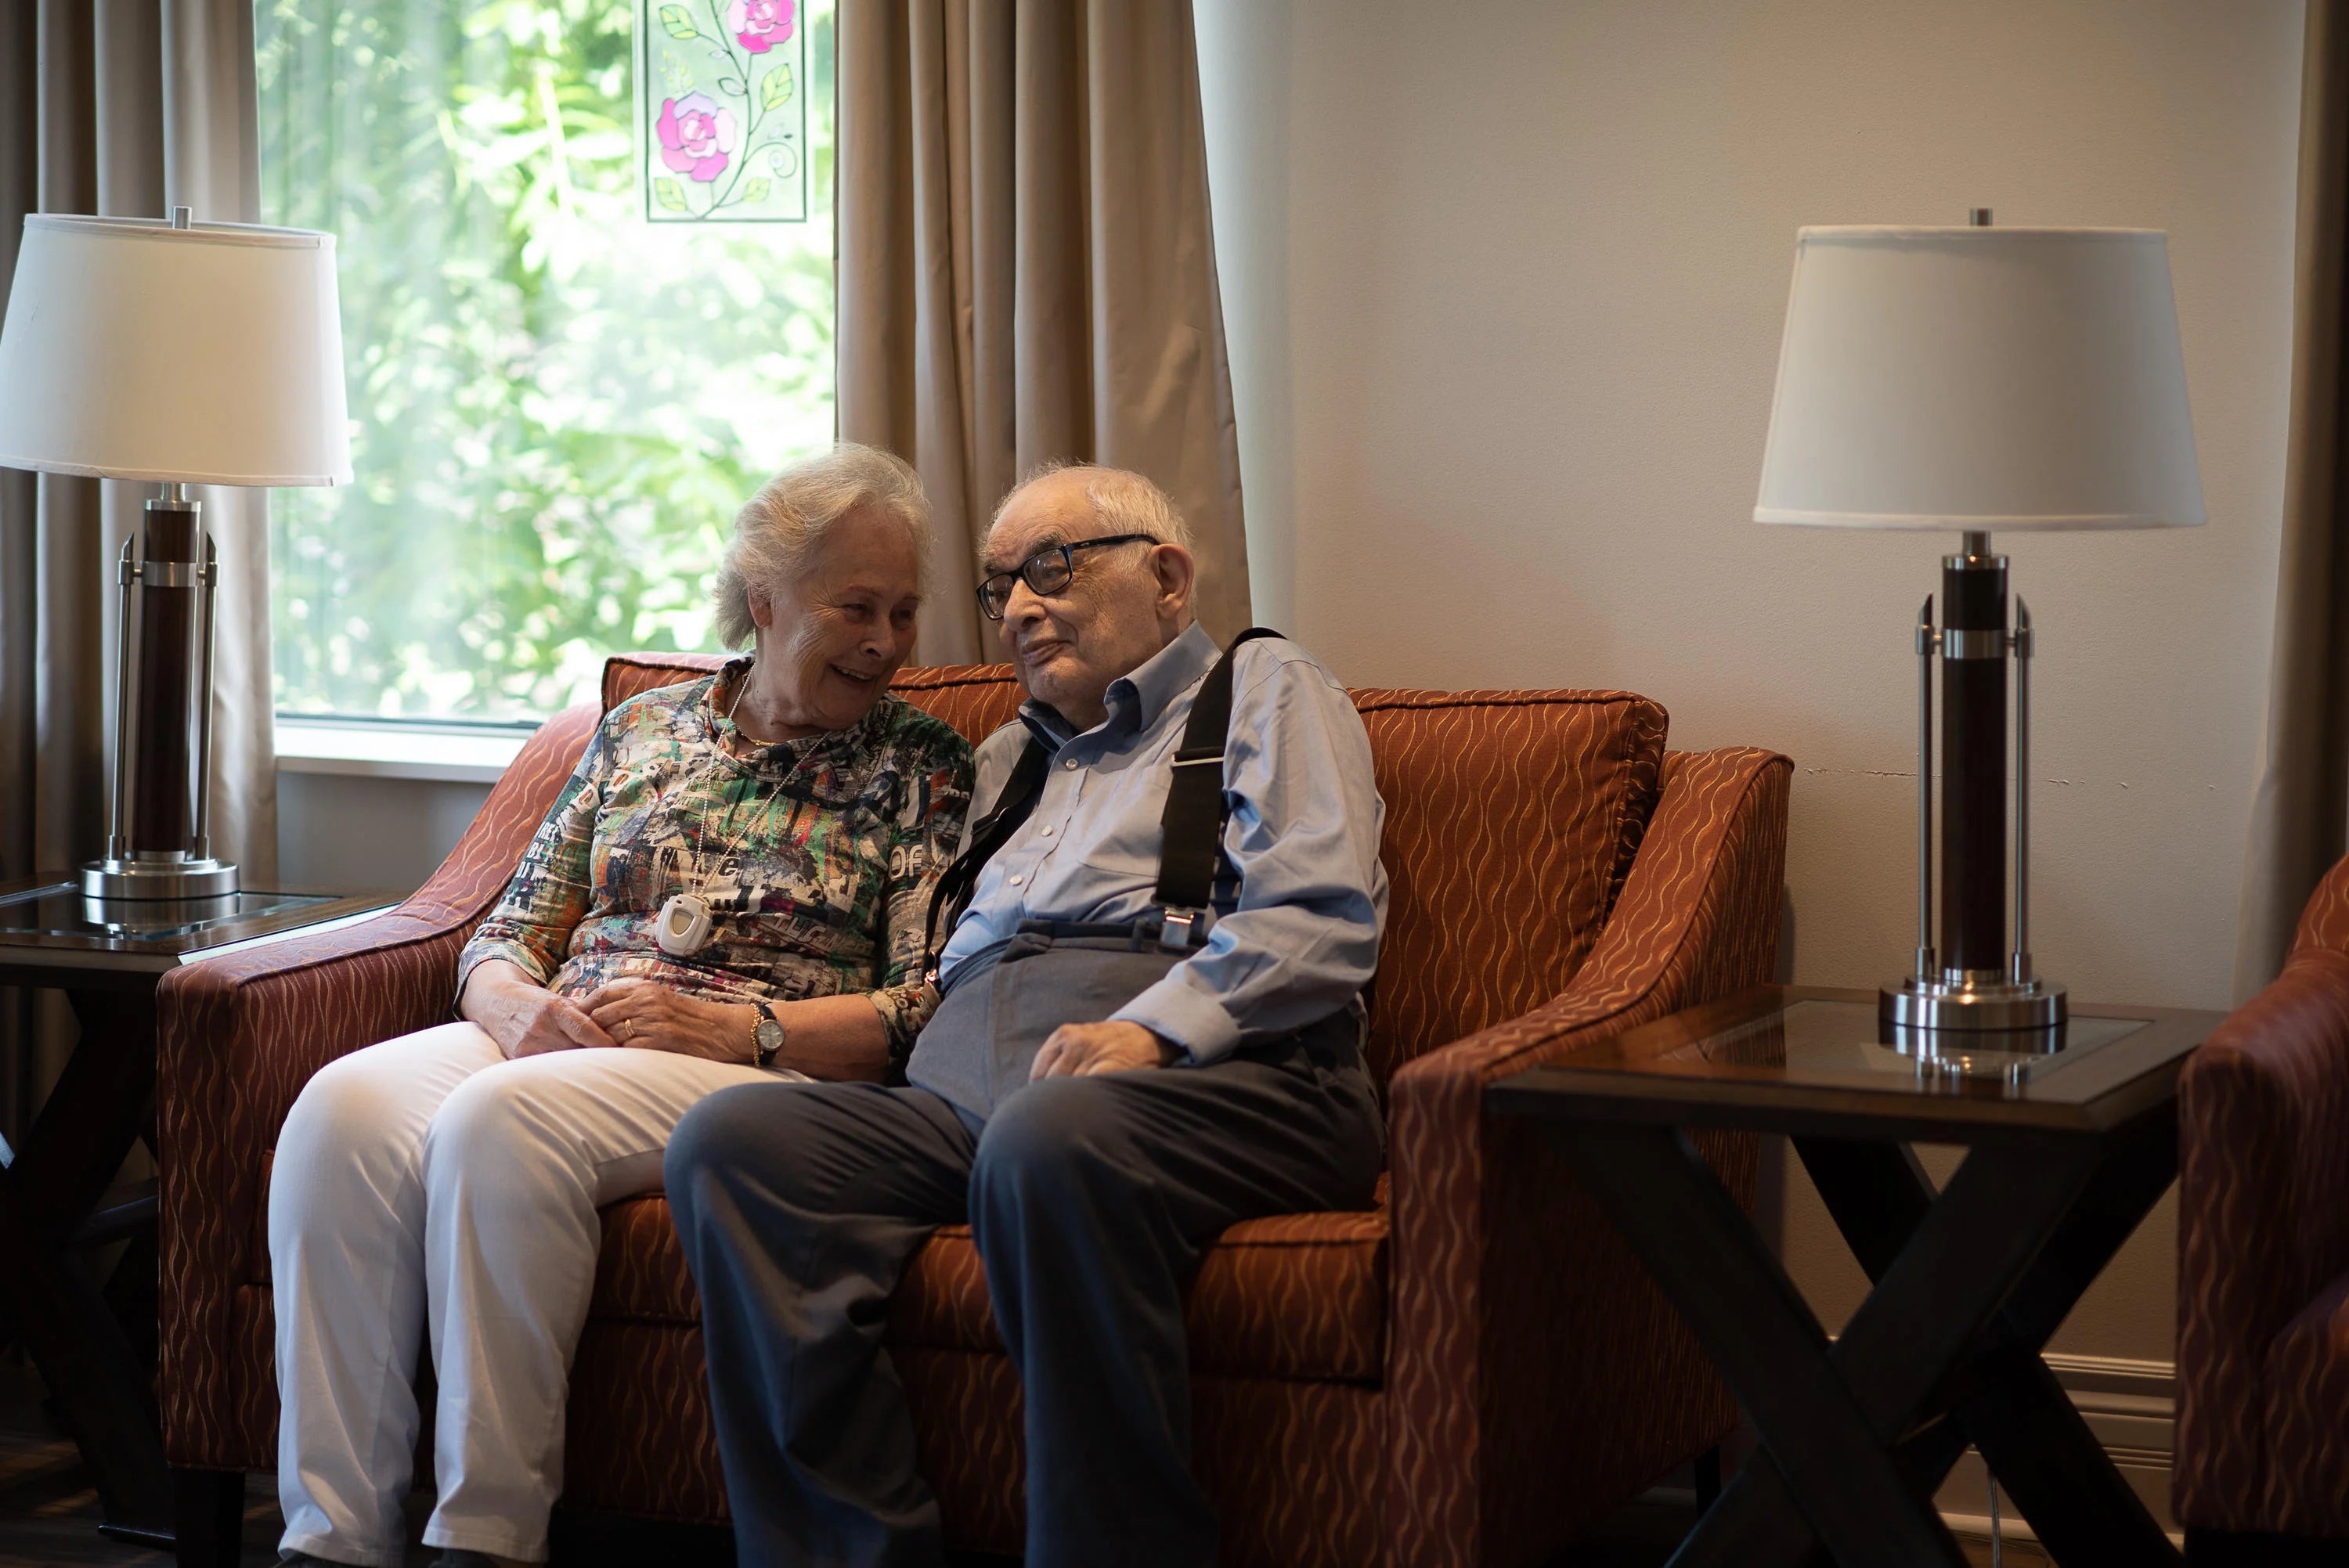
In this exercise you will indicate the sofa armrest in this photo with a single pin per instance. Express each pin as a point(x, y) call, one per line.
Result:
point(237, 1037)
point(2263, 1163)
point(1501, 1339)
point(2325, 918)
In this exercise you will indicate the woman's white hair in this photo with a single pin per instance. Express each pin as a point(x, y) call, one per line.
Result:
point(1123, 500)
point(778, 531)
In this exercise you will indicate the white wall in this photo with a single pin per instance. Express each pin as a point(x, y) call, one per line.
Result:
point(346, 831)
point(1503, 284)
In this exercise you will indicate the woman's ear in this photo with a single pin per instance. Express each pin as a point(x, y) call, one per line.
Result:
point(762, 608)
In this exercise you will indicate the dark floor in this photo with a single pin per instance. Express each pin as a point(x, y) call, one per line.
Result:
point(48, 1515)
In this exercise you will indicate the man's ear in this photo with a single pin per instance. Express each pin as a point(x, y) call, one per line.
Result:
point(1178, 572)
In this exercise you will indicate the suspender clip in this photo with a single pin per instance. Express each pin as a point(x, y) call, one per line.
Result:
point(1178, 929)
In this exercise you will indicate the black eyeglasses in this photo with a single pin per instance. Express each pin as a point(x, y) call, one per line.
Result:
point(1047, 571)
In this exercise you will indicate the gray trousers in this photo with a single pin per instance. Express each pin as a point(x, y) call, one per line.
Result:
point(1091, 1200)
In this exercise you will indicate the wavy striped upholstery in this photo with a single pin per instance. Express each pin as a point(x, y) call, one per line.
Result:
point(1467, 1373)
point(2264, 1250)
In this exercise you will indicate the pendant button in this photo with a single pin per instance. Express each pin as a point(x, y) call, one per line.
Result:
point(683, 928)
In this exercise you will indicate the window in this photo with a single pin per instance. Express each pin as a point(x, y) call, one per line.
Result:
point(558, 401)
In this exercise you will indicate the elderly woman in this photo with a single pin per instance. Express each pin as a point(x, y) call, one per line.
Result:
point(730, 889)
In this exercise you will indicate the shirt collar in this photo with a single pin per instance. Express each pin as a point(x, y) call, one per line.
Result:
point(1142, 692)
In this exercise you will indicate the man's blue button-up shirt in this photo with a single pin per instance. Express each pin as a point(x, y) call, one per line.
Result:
point(1301, 940)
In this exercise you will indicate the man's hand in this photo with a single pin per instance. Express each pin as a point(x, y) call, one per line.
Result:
point(648, 1015)
point(523, 1017)
point(1117, 1047)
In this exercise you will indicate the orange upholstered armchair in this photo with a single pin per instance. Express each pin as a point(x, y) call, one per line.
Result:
point(1468, 1373)
point(2263, 1261)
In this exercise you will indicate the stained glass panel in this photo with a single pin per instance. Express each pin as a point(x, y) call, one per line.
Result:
point(723, 114)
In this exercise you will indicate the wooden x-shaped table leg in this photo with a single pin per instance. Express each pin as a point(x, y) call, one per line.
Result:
point(96, 1380)
point(1969, 1283)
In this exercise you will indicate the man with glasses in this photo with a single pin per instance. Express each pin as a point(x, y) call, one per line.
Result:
point(1151, 1029)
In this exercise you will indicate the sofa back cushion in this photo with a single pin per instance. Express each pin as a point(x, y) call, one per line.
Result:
point(977, 699)
point(633, 675)
point(1512, 818)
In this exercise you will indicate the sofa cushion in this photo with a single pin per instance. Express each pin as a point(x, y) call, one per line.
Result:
point(1512, 819)
point(1294, 1297)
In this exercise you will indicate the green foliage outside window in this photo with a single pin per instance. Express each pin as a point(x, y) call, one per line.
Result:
point(557, 407)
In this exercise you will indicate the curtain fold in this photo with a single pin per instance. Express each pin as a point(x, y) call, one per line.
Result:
point(2299, 814)
point(121, 108)
point(1027, 269)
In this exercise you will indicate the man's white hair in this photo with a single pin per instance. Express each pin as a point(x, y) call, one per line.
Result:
point(1124, 502)
point(778, 531)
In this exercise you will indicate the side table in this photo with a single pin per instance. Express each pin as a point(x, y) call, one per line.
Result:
point(108, 958)
point(2066, 1152)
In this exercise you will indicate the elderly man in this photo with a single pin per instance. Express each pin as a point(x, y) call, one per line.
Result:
point(1151, 1029)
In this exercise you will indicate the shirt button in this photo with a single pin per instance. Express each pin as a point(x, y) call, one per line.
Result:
point(1071, 764)
point(1048, 830)
point(1017, 880)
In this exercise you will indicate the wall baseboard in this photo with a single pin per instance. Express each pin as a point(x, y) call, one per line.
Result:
point(2130, 1406)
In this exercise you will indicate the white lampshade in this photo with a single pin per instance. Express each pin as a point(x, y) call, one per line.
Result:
point(1981, 379)
point(211, 354)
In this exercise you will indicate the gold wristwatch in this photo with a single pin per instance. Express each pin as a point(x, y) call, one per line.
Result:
point(766, 1038)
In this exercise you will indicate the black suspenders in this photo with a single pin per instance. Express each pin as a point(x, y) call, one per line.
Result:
point(1012, 807)
point(1191, 827)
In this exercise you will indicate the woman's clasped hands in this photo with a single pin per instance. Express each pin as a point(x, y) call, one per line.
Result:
point(526, 1019)
point(648, 1015)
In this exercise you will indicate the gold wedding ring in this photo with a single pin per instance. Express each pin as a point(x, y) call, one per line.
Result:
point(627, 1029)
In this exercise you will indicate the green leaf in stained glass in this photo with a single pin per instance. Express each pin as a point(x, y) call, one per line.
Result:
point(776, 91)
point(669, 194)
point(756, 191)
point(680, 25)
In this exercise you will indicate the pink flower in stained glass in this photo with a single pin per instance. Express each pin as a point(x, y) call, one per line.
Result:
point(758, 24)
point(696, 137)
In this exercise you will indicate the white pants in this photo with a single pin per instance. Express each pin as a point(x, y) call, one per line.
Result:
point(429, 1178)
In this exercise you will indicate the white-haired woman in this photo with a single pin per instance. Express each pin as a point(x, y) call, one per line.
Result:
point(732, 887)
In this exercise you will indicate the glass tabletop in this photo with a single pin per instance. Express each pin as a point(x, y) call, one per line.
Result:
point(1841, 1042)
point(1815, 1061)
point(60, 908)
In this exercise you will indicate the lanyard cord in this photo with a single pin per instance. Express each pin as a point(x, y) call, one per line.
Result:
point(699, 884)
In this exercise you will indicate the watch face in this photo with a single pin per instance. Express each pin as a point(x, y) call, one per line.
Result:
point(769, 1036)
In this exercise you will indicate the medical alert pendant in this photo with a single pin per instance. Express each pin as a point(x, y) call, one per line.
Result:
point(684, 928)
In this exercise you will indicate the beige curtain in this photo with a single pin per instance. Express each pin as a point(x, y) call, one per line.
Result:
point(2299, 816)
point(1026, 270)
point(120, 108)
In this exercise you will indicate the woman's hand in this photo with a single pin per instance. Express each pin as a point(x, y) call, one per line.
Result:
point(523, 1017)
point(648, 1015)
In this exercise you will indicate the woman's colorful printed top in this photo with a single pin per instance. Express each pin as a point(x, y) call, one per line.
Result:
point(816, 857)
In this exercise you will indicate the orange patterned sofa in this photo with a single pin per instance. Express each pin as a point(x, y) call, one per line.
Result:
point(1436, 1381)
point(2263, 1459)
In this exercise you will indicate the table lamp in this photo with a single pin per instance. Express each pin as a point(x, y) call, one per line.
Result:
point(184, 354)
point(1980, 380)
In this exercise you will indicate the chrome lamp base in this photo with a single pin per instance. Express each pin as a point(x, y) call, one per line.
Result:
point(143, 876)
point(1973, 982)
point(1972, 1000)
point(160, 848)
